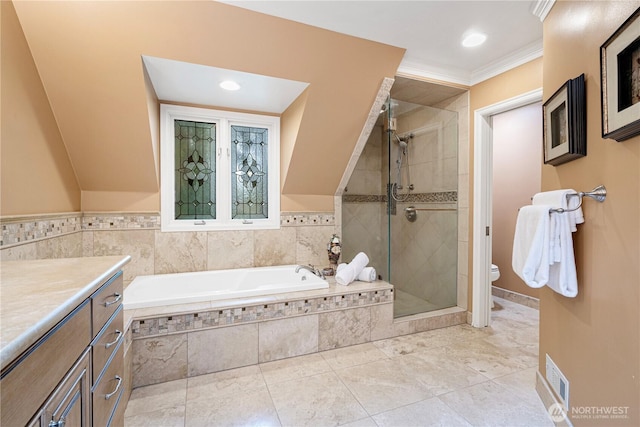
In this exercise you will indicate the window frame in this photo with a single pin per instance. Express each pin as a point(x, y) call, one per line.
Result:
point(223, 120)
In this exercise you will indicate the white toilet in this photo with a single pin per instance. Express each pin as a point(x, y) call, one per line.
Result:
point(495, 275)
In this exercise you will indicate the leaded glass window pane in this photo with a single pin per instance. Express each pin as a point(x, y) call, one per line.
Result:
point(195, 164)
point(249, 172)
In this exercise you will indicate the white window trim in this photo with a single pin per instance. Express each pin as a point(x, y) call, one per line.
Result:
point(223, 120)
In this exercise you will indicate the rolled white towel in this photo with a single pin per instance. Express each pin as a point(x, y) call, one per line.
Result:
point(368, 274)
point(350, 272)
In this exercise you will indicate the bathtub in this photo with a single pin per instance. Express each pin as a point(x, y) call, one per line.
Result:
point(182, 288)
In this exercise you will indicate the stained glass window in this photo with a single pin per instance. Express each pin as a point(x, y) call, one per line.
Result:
point(195, 164)
point(249, 173)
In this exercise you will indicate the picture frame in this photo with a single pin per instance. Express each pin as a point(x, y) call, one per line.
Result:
point(564, 123)
point(620, 81)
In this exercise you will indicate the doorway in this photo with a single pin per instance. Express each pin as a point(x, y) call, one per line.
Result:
point(483, 199)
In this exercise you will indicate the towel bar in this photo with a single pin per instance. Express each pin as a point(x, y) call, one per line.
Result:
point(598, 194)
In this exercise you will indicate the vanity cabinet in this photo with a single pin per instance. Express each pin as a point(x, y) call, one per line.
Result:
point(74, 374)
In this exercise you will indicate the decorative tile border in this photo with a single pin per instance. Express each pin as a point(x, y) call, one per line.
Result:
point(25, 229)
point(168, 324)
point(437, 197)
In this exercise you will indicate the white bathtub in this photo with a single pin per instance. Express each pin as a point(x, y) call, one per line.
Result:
point(182, 288)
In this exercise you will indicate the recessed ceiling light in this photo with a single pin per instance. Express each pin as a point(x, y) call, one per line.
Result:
point(229, 85)
point(473, 40)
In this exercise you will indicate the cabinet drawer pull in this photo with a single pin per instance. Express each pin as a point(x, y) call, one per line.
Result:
point(119, 335)
point(108, 396)
point(118, 298)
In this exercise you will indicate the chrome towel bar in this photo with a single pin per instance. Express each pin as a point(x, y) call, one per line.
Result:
point(598, 194)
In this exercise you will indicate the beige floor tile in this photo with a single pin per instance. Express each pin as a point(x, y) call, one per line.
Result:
point(158, 404)
point(254, 407)
point(491, 360)
point(429, 412)
point(320, 400)
point(365, 422)
point(380, 386)
point(167, 417)
point(158, 396)
point(352, 356)
point(493, 404)
point(233, 381)
point(438, 372)
point(294, 368)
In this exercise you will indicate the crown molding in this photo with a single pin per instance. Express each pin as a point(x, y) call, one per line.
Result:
point(464, 78)
point(506, 63)
point(541, 8)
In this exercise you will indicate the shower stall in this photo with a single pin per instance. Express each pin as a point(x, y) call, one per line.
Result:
point(400, 205)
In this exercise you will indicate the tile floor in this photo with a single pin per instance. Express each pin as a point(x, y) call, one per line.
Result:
point(457, 376)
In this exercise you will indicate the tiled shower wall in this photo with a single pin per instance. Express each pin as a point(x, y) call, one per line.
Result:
point(302, 239)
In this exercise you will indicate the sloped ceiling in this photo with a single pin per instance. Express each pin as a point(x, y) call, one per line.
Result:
point(89, 57)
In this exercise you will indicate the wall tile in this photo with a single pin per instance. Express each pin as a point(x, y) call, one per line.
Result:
point(224, 348)
point(382, 321)
point(87, 243)
point(65, 246)
point(229, 249)
point(19, 252)
point(180, 252)
point(159, 359)
point(311, 245)
point(288, 337)
point(139, 244)
point(274, 247)
point(344, 328)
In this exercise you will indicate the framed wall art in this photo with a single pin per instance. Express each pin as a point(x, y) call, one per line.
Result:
point(620, 81)
point(564, 122)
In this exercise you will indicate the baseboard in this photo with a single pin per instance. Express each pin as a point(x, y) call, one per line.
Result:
point(516, 297)
point(548, 400)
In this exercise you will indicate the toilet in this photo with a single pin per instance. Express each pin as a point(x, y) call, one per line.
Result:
point(495, 272)
point(495, 275)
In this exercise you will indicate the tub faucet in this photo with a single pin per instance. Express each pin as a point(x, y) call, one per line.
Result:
point(310, 268)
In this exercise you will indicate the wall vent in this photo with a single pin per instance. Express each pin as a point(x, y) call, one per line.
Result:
point(558, 382)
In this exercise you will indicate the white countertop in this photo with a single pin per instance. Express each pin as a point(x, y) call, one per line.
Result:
point(36, 294)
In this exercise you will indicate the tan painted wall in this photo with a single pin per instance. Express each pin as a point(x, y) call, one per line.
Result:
point(36, 174)
point(517, 155)
point(517, 81)
point(595, 337)
point(88, 56)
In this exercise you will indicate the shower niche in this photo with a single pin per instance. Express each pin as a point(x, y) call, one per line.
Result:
point(400, 205)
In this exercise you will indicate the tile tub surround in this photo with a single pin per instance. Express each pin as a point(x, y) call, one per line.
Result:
point(429, 380)
point(301, 239)
point(182, 341)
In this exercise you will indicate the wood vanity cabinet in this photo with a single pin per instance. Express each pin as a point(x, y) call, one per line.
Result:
point(74, 374)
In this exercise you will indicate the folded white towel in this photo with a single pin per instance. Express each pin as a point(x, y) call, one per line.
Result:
point(530, 258)
point(368, 274)
point(559, 199)
point(562, 274)
point(351, 271)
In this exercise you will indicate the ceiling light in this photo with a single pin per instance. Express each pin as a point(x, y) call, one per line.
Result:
point(473, 40)
point(229, 85)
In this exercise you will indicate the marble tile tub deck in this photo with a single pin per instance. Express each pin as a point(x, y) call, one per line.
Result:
point(453, 376)
point(180, 341)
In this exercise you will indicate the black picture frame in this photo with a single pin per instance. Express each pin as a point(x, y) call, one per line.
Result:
point(565, 122)
point(620, 81)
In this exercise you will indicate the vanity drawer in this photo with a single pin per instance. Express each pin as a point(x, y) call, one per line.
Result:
point(106, 343)
point(106, 301)
point(109, 388)
point(28, 381)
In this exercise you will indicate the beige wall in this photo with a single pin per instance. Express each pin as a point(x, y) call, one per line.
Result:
point(517, 81)
point(88, 55)
point(517, 154)
point(595, 338)
point(37, 176)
